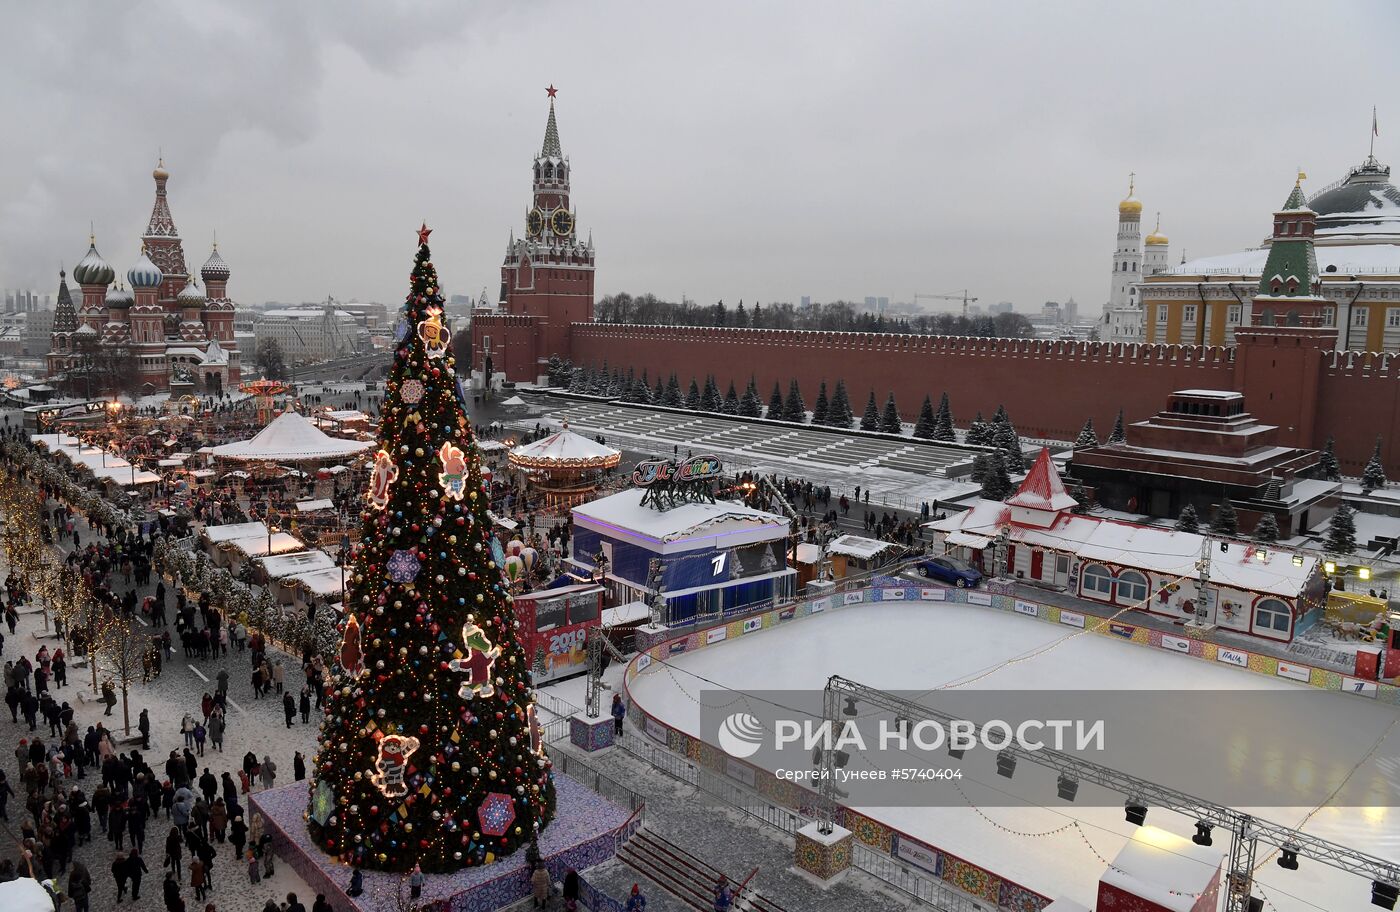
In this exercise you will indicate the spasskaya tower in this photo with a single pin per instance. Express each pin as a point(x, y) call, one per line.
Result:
point(546, 279)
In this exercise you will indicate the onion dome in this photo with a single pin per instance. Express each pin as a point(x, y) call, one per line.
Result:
point(92, 269)
point(190, 296)
point(144, 274)
point(1130, 204)
point(1156, 238)
point(160, 173)
point(214, 268)
point(117, 296)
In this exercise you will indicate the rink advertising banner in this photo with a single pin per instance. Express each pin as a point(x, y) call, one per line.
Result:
point(898, 749)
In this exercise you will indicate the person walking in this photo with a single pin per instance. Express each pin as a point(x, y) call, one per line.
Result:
point(268, 773)
point(636, 902)
point(238, 835)
point(254, 869)
point(174, 852)
point(79, 886)
point(143, 725)
point(298, 766)
point(197, 880)
point(305, 704)
point(289, 707)
point(135, 870)
point(119, 874)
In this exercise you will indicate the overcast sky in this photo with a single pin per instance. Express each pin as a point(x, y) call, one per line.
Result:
point(736, 151)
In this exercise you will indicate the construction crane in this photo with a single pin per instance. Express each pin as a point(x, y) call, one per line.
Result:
point(955, 296)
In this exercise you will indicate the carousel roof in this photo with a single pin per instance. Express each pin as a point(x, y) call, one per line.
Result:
point(291, 438)
point(565, 450)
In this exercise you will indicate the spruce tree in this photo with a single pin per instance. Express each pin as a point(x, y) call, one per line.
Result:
point(943, 429)
point(1188, 521)
point(821, 407)
point(794, 409)
point(1341, 532)
point(1373, 476)
point(1327, 465)
point(1009, 442)
point(1227, 521)
point(429, 752)
point(775, 403)
point(977, 432)
point(840, 414)
point(710, 398)
point(1119, 435)
point(658, 395)
point(927, 423)
point(1266, 530)
point(979, 467)
point(674, 398)
point(1081, 499)
point(578, 383)
point(1087, 437)
point(730, 406)
point(750, 406)
point(996, 482)
point(692, 398)
point(889, 420)
point(871, 420)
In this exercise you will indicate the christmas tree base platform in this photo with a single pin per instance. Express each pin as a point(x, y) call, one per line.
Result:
point(586, 830)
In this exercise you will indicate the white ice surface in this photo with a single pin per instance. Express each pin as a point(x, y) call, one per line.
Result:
point(916, 646)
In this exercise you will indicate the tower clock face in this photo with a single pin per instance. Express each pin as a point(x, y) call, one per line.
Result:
point(561, 222)
point(534, 222)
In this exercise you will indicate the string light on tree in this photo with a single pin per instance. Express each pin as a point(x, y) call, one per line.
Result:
point(428, 752)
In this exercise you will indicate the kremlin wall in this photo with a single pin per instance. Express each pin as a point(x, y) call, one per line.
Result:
point(1290, 371)
point(1290, 377)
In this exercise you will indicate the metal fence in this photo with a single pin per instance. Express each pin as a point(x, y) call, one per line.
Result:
point(600, 782)
point(921, 885)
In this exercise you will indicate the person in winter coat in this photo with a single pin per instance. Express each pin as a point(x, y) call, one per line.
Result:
point(170, 892)
point(254, 869)
point(357, 883)
point(571, 885)
point(180, 810)
point(197, 880)
point(268, 856)
point(636, 902)
point(279, 675)
point(321, 904)
point(619, 714)
point(218, 819)
point(143, 725)
point(268, 773)
point(135, 870)
point(415, 882)
point(298, 766)
point(238, 836)
point(289, 707)
point(216, 731)
point(187, 729)
point(724, 897)
point(305, 705)
point(79, 886)
point(540, 886)
point(174, 852)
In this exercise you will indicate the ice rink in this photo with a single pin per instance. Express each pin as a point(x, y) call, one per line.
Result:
point(919, 646)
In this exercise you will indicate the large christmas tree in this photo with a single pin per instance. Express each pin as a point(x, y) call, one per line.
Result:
point(429, 750)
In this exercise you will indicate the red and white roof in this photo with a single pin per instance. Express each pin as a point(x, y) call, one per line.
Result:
point(1042, 489)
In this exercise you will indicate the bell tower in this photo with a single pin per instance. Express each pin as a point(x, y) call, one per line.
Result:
point(546, 277)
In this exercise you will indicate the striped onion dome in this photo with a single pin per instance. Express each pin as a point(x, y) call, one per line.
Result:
point(118, 296)
point(144, 274)
point(190, 296)
point(214, 269)
point(93, 270)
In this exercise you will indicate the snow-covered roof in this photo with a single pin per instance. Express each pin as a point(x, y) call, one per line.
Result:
point(347, 415)
point(490, 446)
point(1213, 394)
point(1042, 488)
point(565, 449)
point(683, 528)
point(311, 506)
point(1166, 551)
point(858, 547)
point(256, 546)
point(1347, 258)
point(291, 438)
point(25, 894)
point(230, 531)
point(514, 401)
point(1164, 868)
point(318, 582)
point(630, 613)
point(280, 565)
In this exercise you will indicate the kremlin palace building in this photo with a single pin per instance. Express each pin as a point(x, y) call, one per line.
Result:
point(1346, 237)
point(163, 327)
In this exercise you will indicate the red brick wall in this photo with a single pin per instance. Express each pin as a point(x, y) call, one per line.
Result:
point(1291, 379)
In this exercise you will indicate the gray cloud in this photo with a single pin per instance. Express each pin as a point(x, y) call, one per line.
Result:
point(758, 151)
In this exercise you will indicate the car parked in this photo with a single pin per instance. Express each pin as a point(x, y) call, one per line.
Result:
point(951, 570)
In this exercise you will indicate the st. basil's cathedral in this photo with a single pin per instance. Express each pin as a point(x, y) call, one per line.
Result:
point(162, 328)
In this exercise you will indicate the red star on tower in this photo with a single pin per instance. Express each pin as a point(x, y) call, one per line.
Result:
point(551, 91)
point(423, 234)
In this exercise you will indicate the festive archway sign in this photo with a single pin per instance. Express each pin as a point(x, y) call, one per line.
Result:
point(427, 752)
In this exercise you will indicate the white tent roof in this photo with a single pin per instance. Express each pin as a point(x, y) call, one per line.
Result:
point(565, 448)
point(318, 582)
point(281, 565)
point(25, 895)
point(231, 531)
point(291, 438)
point(513, 401)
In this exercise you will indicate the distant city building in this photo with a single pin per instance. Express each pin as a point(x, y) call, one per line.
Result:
point(310, 333)
point(165, 325)
point(1001, 307)
point(806, 300)
point(1122, 316)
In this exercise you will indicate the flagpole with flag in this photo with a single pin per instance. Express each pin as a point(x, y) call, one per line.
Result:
point(1375, 131)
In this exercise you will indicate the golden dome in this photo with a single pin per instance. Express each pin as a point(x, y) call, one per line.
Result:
point(1130, 205)
point(160, 173)
point(1157, 238)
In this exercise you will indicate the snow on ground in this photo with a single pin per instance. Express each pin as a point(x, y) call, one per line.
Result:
point(916, 646)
